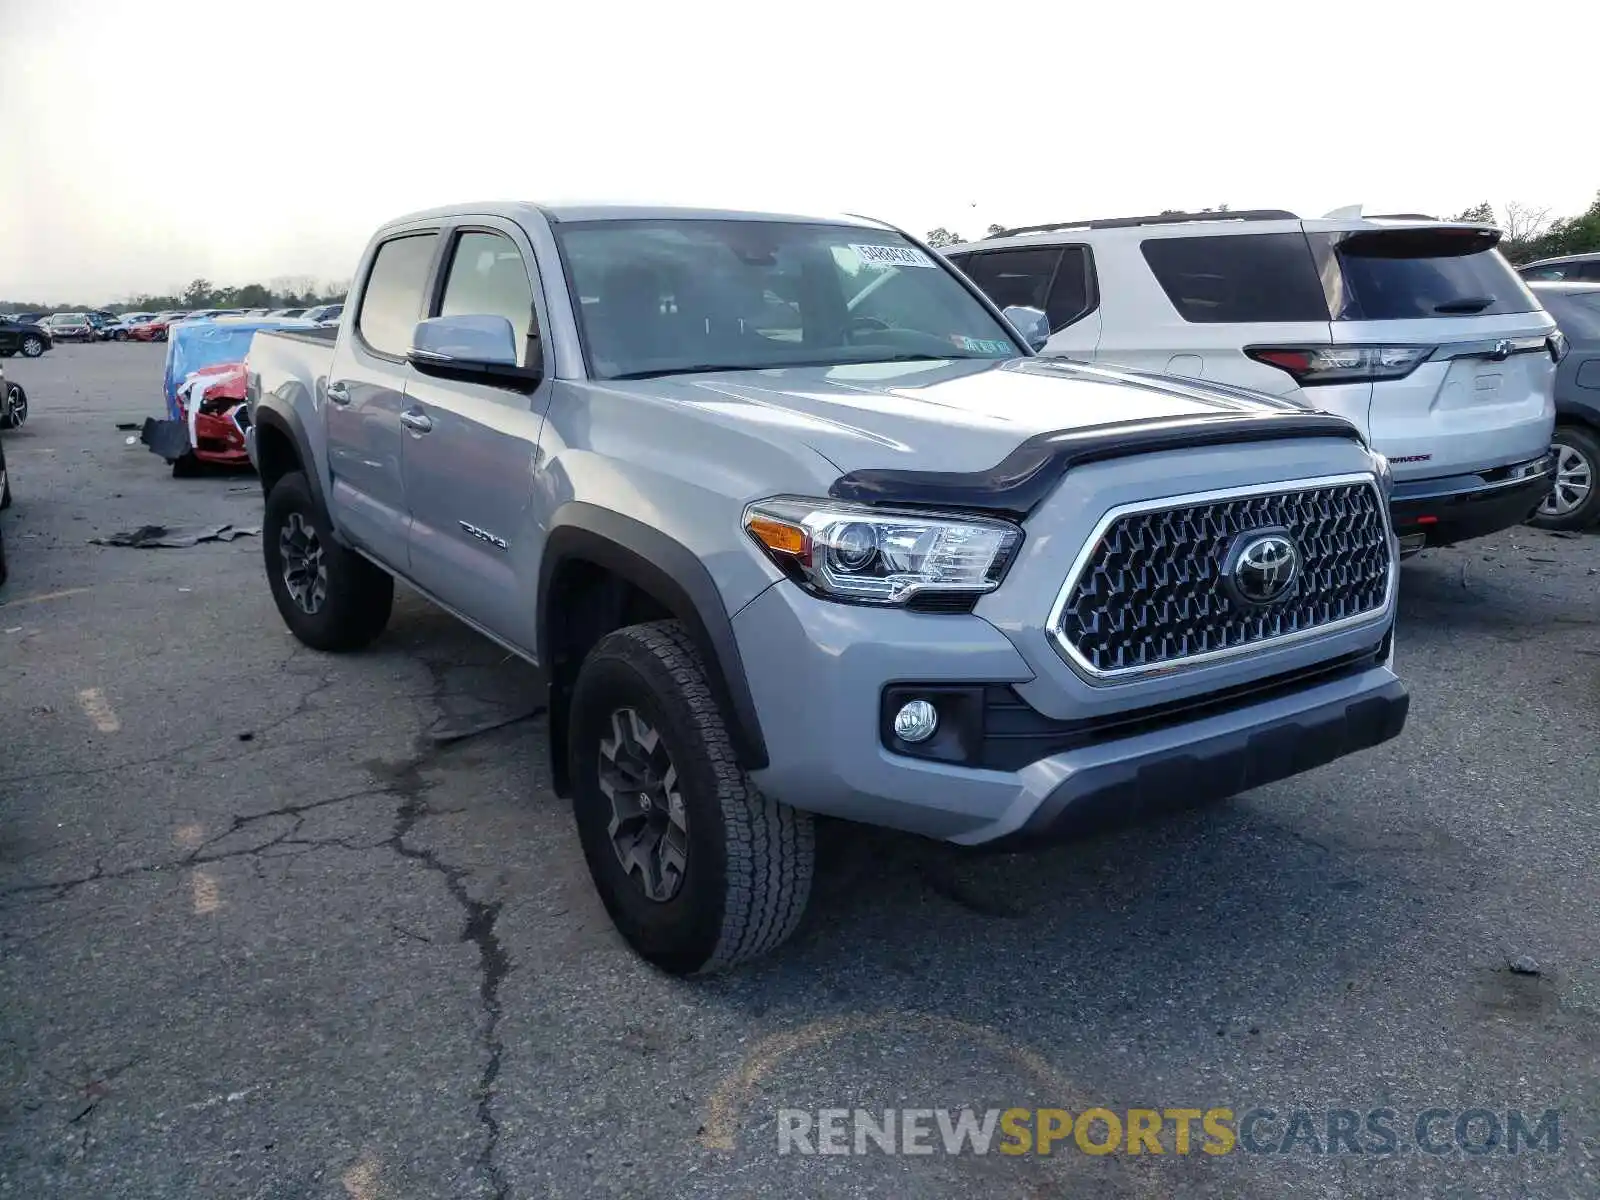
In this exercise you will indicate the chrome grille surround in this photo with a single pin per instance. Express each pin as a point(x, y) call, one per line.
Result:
point(1348, 576)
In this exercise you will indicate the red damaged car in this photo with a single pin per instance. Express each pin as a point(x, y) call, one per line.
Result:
point(155, 329)
point(205, 393)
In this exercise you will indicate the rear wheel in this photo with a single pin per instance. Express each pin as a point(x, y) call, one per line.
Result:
point(1574, 501)
point(32, 346)
point(329, 596)
point(697, 868)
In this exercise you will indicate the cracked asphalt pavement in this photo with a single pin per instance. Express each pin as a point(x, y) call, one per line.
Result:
point(268, 930)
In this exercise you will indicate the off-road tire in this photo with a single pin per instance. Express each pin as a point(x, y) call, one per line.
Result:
point(359, 595)
point(750, 859)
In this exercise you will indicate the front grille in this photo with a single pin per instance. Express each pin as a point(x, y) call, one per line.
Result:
point(1151, 593)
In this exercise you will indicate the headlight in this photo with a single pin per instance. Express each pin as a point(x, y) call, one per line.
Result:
point(873, 556)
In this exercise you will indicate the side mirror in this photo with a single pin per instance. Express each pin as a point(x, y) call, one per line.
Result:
point(1031, 323)
point(475, 348)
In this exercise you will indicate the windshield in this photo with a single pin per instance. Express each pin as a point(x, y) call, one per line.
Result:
point(673, 296)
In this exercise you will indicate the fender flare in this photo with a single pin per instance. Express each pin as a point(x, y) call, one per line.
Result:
point(288, 423)
point(674, 576)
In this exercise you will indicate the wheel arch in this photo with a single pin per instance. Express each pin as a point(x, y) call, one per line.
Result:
point(281, 447)
point(588, 543)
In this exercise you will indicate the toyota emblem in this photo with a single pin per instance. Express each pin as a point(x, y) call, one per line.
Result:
point(1263, 566)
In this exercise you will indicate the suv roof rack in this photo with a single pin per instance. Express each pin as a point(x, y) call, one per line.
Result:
point(1168, 218)
point(1399, 217)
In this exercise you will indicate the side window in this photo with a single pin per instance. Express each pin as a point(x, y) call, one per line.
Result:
point(1545, 274)
point(391, 302)
point(1072, 295)
point(488, 278)
point(1588, 272)
point(1015, 276)
point(1238, 278)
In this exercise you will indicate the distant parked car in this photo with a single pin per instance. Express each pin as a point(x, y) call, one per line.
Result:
point(70, 327)
point(324, 314)
point(28, 318)
point(155, 329)
point(1574, 501)
point(119, 330)
point(28, 338)
point(1571, 268)
point(287, 312)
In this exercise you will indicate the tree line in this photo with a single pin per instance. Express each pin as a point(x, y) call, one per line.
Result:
point(1531, 233)
point(286, 291)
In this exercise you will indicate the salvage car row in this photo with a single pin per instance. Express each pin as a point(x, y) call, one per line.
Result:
point(31, 334)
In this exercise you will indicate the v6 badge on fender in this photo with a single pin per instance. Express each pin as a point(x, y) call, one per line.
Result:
point(483, 535)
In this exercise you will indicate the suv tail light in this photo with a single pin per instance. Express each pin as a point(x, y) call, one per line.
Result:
point(1311, 365)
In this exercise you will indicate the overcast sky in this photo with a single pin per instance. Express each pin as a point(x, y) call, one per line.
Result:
point(143, 144)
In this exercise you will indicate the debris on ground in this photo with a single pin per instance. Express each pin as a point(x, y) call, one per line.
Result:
point(1525, 965)
point(127, 425)
point(176, 537)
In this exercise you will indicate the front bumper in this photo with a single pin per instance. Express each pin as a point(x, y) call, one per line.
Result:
point(817, 671)
point(1458, 507)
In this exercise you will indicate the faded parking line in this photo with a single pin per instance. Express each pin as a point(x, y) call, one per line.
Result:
point(95, 707)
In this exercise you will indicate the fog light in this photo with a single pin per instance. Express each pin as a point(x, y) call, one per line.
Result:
point(916, 721)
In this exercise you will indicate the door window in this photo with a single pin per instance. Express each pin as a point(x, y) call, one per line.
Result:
point(1238, 278)
point(391, 303)
point(488, 278)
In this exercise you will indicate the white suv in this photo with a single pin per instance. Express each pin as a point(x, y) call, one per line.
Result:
point(1417, 330)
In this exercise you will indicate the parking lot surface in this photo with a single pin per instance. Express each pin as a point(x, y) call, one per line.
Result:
point(267, 928)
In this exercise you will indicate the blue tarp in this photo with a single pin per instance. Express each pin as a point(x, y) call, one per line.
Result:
point(205, 343)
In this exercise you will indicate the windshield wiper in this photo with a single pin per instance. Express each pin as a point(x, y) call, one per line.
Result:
point(1467, 304)
point(691, 369)
point(776, 365)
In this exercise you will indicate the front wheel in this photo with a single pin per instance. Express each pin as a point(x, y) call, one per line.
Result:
point(697, 868)
point(1574, 500)
point(329, 596)
point(14, 407)
point(32, 346)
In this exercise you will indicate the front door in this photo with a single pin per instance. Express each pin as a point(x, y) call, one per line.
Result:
point(471, 450)
point(365, 394)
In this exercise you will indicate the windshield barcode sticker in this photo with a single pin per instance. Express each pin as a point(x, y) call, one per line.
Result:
point(892, 256)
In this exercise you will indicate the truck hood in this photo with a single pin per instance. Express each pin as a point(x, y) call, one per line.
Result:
point(946, 415)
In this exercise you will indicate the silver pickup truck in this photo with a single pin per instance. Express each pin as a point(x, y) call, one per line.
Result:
point(795, 523)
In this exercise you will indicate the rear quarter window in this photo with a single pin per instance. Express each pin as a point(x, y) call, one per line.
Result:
point(1238, 279)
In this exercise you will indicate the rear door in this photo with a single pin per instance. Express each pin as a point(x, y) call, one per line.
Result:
point(472, 449)
point(1483, 396)
point(1190, 303)
point(365, 394)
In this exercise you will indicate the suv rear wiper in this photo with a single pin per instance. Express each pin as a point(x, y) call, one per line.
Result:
point(1467, 304)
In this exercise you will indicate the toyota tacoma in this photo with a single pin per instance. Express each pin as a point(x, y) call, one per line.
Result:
point(795, 523)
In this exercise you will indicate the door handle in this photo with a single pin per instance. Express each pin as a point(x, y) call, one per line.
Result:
point(416, 422)
point(339, 393)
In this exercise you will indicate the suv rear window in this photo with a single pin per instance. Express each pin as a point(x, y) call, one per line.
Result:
point(1403, 274)
point(1238, 278)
